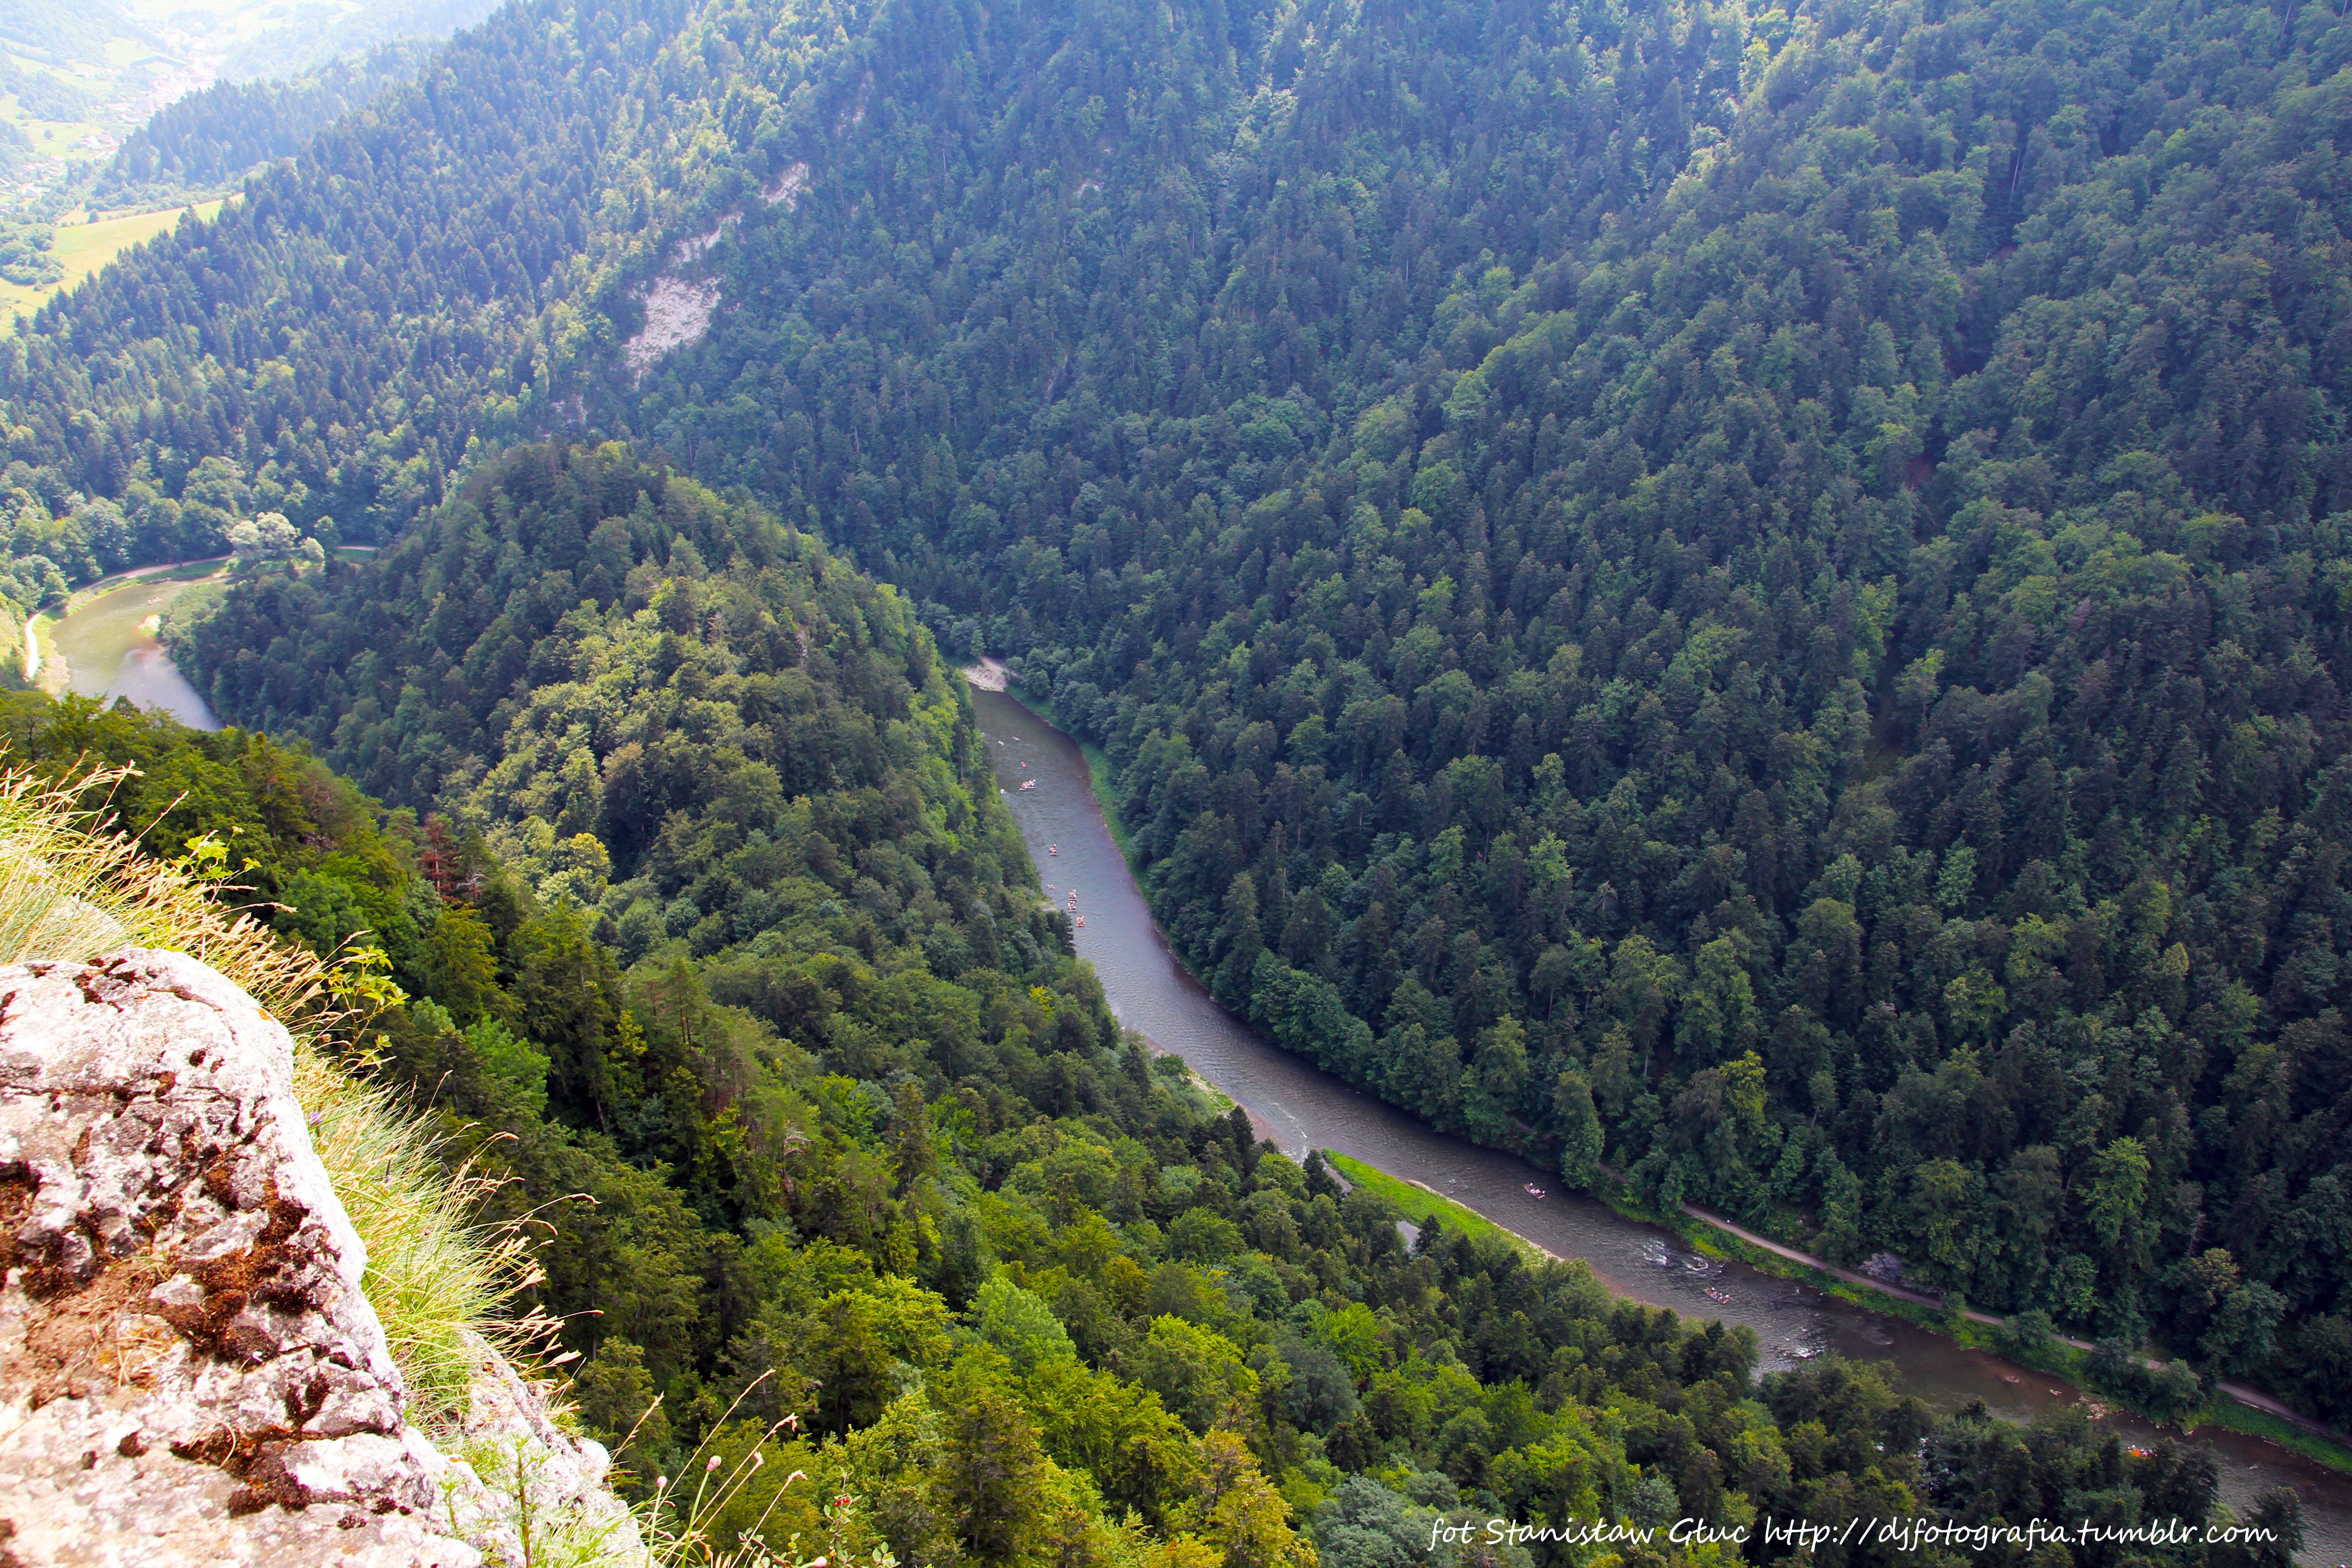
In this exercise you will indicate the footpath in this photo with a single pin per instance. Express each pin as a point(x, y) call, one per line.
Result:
point(2239, 1392)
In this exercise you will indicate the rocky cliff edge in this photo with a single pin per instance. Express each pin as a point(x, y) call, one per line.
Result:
point(190, 1370)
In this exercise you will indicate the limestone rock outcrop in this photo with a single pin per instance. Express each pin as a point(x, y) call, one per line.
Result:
point(189, 1369)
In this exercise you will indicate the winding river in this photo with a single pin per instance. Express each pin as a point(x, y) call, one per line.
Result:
point(106, 641)
point(1300, 1107)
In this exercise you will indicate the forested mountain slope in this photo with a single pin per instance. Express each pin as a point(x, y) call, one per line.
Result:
point(865, 1145)
point(643, 692)
point(331, 346)
point(1758, 597)
point(1819, 685)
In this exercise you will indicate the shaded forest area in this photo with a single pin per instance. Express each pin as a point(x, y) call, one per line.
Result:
point(1771, 614)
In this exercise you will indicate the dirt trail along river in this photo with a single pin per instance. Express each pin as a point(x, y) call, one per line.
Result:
point(1300, 1107)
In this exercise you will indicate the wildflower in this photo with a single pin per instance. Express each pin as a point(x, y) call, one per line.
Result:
point(712, 1467)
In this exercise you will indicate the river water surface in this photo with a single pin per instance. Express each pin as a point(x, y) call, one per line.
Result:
point(107, 643)
point(1300, 1107)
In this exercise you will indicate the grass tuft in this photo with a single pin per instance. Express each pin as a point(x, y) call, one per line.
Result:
point(73, 888)
point(439, 1282)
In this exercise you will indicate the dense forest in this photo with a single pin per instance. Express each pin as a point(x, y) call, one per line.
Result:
point(332, 347)
point(1756, 598)
point(863, 1147)
point(1804, 668)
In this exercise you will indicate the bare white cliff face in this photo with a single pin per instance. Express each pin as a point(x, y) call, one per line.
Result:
point(677, 312)
point(679, 302)
point(188, 1370)
point(787, 186)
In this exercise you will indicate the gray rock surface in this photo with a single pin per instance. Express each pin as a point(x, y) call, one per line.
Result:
point(519, 1468)
point(190, 1373)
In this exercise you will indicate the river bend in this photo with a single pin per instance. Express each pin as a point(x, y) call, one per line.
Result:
point(1300, 1107)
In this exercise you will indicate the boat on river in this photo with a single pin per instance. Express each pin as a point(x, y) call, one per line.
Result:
point(1720, 1297)
point(1532, 1190)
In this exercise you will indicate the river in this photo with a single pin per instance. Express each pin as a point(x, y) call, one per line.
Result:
point(1300, 1107)
point(107, 644)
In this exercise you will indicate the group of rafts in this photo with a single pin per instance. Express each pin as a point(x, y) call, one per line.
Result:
point(1076, 918)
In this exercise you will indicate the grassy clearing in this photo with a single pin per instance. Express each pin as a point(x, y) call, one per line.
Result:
point(183, 572)
point(71, 887)
point(1418, 1204)
point(90, 245)
point(83, 248)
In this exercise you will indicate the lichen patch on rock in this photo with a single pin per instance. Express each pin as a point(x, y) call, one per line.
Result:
point(183, 1338)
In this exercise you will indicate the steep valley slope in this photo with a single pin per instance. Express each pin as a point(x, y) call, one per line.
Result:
point(1757, 598)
